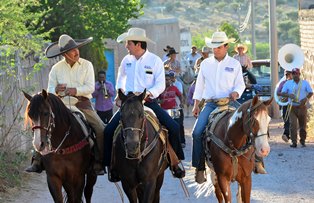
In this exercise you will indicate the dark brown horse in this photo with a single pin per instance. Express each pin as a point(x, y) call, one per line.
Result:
point(139, 155)
point(66, 152)
point(237, 136)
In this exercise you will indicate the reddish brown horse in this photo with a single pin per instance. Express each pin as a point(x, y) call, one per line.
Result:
point(237, 136)
point(66, 152)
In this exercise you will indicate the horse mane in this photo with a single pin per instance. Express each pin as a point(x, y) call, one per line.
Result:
point(57, 106)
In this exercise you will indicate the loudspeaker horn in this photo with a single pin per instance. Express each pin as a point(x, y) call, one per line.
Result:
point(291, 56)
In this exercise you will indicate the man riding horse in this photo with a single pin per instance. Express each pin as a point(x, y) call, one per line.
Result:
point(140, 70)
point(74, 76)
point(220, 76)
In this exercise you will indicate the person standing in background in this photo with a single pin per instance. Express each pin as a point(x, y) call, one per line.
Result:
point(103, 94)
point(205, 54)
point(242, 57)
point(192, 56)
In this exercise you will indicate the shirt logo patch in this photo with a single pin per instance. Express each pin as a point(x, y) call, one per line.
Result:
point(229, 69)
point(128, 65)
point(147, 67)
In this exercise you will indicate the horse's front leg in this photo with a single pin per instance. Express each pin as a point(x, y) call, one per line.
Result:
point(148, 191)
point(224, 185)
point(246, 187)
point(55, 188)
point(129, 191)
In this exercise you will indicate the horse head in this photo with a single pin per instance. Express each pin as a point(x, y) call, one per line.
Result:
point(133, 122)
point(41, 117)
point(255, 123)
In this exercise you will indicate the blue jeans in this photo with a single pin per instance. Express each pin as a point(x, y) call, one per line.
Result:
point(163, 117)
point(197, 133)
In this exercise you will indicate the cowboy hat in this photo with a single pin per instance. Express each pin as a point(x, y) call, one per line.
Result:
point(218, 39)
point(205, 49)
point(172, 51)
point(65, 43)
point(167, 48)
point(240, 45)
point(135, 34)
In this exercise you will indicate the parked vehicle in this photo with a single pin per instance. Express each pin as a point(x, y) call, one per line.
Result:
point(262, 71)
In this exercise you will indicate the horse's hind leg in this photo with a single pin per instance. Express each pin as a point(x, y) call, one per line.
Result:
point(55, 188)
point(90, 182)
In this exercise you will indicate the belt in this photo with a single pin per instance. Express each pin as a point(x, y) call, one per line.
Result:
point(81, 98)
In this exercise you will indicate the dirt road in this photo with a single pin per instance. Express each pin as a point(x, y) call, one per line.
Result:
point(290, 178)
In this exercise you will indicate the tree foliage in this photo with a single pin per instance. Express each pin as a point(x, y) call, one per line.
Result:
point(84, 18)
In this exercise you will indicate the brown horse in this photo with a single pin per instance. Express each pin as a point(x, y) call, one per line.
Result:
point(232, 144)
point(66, 153)
point(139, 155)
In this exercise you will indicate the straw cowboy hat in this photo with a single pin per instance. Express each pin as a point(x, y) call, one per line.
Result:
point(136, 34)
point(218, 39)
point(65, 43)
point(240, 45)
point(172, 51)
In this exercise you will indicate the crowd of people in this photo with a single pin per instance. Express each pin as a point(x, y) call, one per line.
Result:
point(218, 76)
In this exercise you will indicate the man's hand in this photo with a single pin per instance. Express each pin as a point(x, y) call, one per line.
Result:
point(233, 96)
point(70, 91)
point(60, 89)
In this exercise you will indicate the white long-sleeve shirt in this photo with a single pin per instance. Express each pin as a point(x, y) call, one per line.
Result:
point(134, 75)
point(80, 76)
point(217, 79)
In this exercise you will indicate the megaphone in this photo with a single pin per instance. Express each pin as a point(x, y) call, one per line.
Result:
point(289, 56)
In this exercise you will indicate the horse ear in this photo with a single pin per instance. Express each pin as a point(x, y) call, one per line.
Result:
point(255, 100)
point(27, 96)
point(44, 93)
point(121, 95)
point(143, 95)
point(268, 102)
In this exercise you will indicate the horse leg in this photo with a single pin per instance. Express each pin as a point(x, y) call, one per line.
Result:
point(148, 191)
point(160, 180)
point(55, 188)
point(90, 182)
point(246, 187)
point(239, 195)
point(218, 193)
point(74, 188)
point(224, 186)
point(130, 192)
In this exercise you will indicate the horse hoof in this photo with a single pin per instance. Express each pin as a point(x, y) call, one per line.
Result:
point(113, 176)
point(33, 169)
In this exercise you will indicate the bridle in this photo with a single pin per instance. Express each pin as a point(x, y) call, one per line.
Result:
point(133, 129)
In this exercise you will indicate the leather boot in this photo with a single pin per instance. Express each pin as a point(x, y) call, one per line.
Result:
point(36, 164)
point(174, 163)
point(200, 176)
point(259, 168)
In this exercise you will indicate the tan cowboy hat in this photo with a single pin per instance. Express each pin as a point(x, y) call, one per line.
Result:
point(136, 34)
point(240, 45)
point(218, 39)
point(65, 43)
point(205, 49)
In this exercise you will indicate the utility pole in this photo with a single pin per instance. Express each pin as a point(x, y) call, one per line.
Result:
point(273, 43)
point(253, 28)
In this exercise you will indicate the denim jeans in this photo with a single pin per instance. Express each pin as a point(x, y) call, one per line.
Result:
point(197, 133)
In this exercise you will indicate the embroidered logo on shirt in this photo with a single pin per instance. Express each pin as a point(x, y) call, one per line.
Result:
point(229, 69)
point(147, 67)
point(128, 65)
point(149, 71)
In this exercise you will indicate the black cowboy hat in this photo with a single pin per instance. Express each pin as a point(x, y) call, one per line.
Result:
point(172, 51)
point(167, 48)
point(65, 43)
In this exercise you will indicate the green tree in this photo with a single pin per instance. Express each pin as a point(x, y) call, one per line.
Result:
point(84, 18)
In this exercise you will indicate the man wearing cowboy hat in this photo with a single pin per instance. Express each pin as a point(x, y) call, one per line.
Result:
point(74, 76)
point(167, 49)
point(220, 76)
point(172, 63)
point(140, 70)
point(205, 54)
point(242, 57)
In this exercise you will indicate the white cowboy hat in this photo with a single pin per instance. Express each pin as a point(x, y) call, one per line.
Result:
point(65, 43)
point(205, 49)
point(218, 39)
point(240, 45)
point(136, 34)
